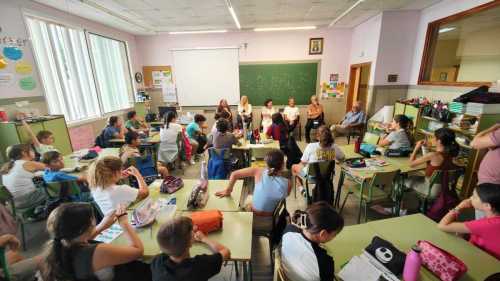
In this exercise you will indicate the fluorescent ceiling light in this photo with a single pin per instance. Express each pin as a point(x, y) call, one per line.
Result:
point(197, 31)
point(446, 29)
point(233, 14)
point(345, 13)
point(284, 28)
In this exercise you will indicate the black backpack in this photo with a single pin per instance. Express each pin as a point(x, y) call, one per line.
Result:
point(293, 152)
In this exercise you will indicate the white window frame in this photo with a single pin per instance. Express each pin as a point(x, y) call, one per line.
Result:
point(102, 115)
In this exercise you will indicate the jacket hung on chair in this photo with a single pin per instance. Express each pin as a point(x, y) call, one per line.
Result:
point(217, 166)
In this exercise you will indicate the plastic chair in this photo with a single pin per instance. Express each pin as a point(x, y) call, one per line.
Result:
point(326, 171)
point(54, 189)
point(378, 188)
point(4, 265)
point(276, 214)
point(436, 178)
point(371, 138)
point(356, 131)
point(278, 274)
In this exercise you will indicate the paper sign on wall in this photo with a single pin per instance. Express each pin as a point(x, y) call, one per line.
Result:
point(6, 79)
point(27, 83)
point(23, 67)
point(3, 62)
point(13, 53)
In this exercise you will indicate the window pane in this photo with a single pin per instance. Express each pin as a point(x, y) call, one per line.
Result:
point(62, 57)
point(112, 72)
point(467, 49)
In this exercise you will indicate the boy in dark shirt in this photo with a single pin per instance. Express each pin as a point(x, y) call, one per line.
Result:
point(175, 264)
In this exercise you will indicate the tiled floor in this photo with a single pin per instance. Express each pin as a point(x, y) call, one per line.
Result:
point(37, 235)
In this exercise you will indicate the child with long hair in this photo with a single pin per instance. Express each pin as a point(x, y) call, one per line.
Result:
point(18, 174)
point(72, 256)
point(113, 130)
point(278, 130)
point(302, 257)
point(271, 186)
point(170, 138)
point(103, 177)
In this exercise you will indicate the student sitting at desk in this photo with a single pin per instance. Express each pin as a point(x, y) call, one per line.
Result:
point(43, 141)
point(114, 130)
point(18, 176)
point(72, 255)
point(103, 177)
point(134, 124)
point(399, 137)
point(324, 150)
point(302, 257)
point(278, 130)
point(53, 173)
point(175, 238)
point(195, 133)
point(484, 232)
point(221, 116)
point(222, 138)
point(270, 188)
point(131, 147)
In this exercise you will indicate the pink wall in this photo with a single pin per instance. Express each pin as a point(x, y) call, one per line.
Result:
point(440, 10)
point(365, 44)
point(396, 46)
point(262, 46)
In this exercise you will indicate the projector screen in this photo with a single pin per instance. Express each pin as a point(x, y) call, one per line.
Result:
point(205, 76)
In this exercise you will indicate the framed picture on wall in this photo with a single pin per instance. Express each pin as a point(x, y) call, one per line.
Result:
point(316, 46)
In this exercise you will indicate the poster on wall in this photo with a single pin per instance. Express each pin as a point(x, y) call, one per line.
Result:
point(159, 76)
point(334, 88)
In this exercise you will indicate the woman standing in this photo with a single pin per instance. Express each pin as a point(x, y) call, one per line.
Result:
point(244, 113)
point(314, 116)
point(267, 114)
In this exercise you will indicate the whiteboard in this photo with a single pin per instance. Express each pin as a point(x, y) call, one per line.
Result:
point(204, 76)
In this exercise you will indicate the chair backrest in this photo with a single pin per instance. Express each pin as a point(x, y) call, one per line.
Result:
point(277, 211)
point(453, 176)
point(383, 181)
point(4, 265)
point(371, 138)
point(325, 169)
point(278, 275)
point(62, 188)
point(6, 197)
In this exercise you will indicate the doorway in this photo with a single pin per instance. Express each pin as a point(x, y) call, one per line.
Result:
point(359, 76)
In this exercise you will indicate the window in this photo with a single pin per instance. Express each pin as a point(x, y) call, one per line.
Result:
point(463, 49)
point(65, 65)
point(112, 72)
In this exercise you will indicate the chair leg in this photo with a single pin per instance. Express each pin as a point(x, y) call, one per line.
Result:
point(359, 211)
point(271, 253)
point(236, 270)
point(366, 212)
point(23, 236)
point(343, 203)
point(348, 139)
point(308, 197)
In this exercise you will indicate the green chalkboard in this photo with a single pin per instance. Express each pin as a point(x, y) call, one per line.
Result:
point(278, 82)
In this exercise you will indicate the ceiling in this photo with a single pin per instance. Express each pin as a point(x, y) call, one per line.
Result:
point(154, 16)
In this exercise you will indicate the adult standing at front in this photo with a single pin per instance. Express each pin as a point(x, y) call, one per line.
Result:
point(267, 114)
point(244, 113)
point(314, 116)
point(352, 120)
point(488, 169)
point(224, 107)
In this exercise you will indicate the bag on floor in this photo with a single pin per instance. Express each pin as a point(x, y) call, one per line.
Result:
point(444, 265)
point(207, 221)
point(171, 184)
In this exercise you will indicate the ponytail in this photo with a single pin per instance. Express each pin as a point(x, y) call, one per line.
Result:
point(14, 152)
point(447, 138)
point(318, 216)
point(275, 160)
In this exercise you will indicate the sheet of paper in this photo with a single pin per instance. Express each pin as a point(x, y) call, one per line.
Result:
point(110, 234)
point(358, 269)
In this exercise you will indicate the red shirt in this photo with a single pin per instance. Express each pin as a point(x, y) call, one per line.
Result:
point(485, 233)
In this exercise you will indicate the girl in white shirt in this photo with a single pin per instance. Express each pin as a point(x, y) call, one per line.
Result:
point(169, 139)
point(267, 113)
point(18, 176)
point(302, 257)
point(103, 177)
point(291, 114)
point(244, 112)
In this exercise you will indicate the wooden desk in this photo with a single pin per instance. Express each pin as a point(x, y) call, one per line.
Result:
point(254, 150)
point(229, 204)
point(153, 138)
point(71, 160)
point(405, 231)
point(349, 153)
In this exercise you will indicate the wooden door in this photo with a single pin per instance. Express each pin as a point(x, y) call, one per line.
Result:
point(359, 76)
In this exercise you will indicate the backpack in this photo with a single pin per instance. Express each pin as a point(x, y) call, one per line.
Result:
point(146, 167)
point(323, 190)
point(99, 140)
point(186, 150)
point(293, 152)
point(218, 168)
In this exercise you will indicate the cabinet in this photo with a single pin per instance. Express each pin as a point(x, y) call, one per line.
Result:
point(14, 133)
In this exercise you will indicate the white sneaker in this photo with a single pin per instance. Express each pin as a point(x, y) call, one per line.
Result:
point(402, 212)
point(192, 161)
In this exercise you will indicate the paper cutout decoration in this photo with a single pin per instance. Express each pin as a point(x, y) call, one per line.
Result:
point(27, 83)
point(6, 79)
point(12, 53)
point(3, 62)
point(23, 68)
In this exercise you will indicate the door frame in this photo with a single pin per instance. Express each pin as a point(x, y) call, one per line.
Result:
point(354, 79)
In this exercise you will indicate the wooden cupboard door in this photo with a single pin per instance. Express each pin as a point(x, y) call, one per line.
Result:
point(24, 137)
point(61, 135)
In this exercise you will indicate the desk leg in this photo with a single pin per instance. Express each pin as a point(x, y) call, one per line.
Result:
point(236, 269)
point(245, 271)
point(339, 188)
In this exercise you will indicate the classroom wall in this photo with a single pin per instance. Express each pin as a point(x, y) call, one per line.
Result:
point(440, 10)
point(261, 47)
point(12, 23)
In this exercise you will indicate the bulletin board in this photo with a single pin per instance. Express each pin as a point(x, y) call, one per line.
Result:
point(147, 72)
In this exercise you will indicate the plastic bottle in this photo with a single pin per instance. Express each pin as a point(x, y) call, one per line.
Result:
point(413, 263)
point(357, 145)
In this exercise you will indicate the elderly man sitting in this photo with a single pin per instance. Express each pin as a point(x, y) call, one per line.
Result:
point(353, 120)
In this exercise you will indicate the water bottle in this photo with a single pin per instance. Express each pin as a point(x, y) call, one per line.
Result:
point(357, 145)
point(413, 263)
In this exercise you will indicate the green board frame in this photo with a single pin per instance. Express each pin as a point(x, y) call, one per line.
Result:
point(278, 81)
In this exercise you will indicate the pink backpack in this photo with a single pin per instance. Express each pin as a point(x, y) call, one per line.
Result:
point(187, 148)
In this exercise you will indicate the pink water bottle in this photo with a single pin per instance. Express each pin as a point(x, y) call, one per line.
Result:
point(413, 263)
